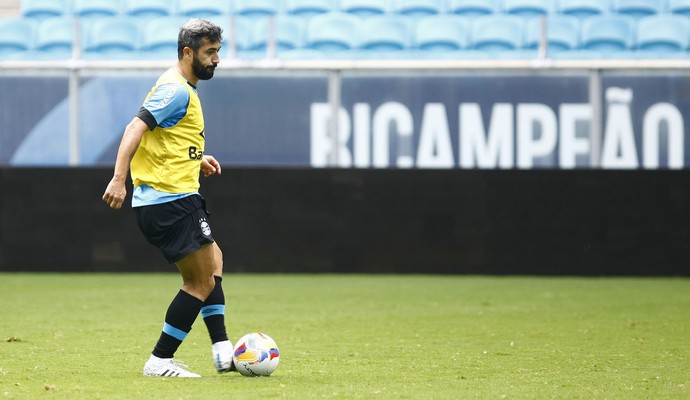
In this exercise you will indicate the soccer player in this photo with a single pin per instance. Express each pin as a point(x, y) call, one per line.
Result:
point(163, 149)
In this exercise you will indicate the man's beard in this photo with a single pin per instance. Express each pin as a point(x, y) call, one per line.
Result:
point(201, 72)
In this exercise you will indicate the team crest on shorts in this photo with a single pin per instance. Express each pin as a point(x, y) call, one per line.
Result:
point(205, 227)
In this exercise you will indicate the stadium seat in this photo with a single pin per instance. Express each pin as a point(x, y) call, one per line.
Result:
point(562, 32)
point(203, 8)
point(419, 8)
point(638, 8)
point(256, 8)
point(443, 33)
point(308, 8)
point(366, 8)
point(289, 33)
point(148, 8)
point(583, 8)
point(497, 32)
point(41, 9)
point(681, 7)
point(608, 33)
point(112, 38)
point(55, 37)
point(473, 8)
point(159, 37)
point(332, 32)
point(528, 8)
point(385, 33)
point(16, 37)
point(96, 8)
point(663, 34)
point(236, 32)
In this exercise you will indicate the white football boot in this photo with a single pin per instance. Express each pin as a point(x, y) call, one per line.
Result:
point(167, 367)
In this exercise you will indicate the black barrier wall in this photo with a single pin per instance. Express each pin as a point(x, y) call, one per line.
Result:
point(546, 222)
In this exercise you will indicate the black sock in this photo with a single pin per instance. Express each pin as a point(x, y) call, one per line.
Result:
point(178, 322)
point(213, 313)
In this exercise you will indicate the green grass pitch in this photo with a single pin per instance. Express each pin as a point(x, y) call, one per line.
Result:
point(87, 336)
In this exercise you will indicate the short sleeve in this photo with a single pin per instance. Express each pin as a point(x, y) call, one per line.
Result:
point(168, 104)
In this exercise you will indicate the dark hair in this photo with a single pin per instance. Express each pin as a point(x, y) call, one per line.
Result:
point(193, 32)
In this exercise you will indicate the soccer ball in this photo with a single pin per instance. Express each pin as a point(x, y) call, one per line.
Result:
point(256, 354)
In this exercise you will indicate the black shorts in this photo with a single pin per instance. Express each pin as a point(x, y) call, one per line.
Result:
point(177, 228)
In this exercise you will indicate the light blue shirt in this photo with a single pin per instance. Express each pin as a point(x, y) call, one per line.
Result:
point(168, 104)
point(145, 195)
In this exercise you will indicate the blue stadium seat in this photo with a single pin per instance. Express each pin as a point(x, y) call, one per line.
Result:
point(419, 8)
point(116, 37)
point(443, 33)
point(159, 37)
point(583, 8)
point(55, 38)
point(333, 32)
point(308, 8)
point(41, 9)
point(289, 31)
point(203, 8)
point(663, 34)
point(528, 8)
point(16, 37)
point(148, 8)
point(497, 33)
point(638, 8)
point(385, 33)
point(96, 8)
point(562, 33)
point(608, 33)
point(474, 8)
point(256, 8)
point(236, 31)
point(366, 8)
point(681, 7)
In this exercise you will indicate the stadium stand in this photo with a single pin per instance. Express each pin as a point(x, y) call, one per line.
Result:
point(112, 38)
point(497, 33)
point(333, 32)
point(419, 8)
point(54, 38)
point(608, 33)
point(256, 8)
point(148, 8)
point(159, 37)
point(96, 8)
point(528, 8)
point(289, 33)
point(473, 8)
point(339, 28)
point(443, 33)
point(638, 8)
point(680, 7)
point(562, 33)
point(663, 34)
point(384, 36)
point(309, 8)
point(583, 8)
point(16, 37)
point(366, 8)
point(41, 9)
point(203, 8)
